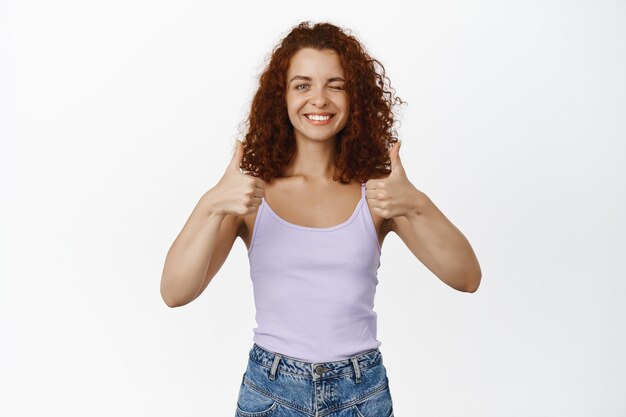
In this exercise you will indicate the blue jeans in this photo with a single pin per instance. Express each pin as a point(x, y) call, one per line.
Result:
point(275, 385)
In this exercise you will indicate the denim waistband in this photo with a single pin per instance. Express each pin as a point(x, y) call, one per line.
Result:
point(314, 370)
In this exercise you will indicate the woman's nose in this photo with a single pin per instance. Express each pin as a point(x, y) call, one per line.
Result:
point(319, 97)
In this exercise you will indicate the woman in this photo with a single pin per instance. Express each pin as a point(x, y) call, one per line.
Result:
point(313, 191)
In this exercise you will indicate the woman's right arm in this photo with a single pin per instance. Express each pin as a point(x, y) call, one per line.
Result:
point(203, 244)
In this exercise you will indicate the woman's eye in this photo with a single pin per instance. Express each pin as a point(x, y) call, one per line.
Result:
point(336, 87)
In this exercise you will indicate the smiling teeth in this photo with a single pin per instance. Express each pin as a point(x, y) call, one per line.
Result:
point(313, 117)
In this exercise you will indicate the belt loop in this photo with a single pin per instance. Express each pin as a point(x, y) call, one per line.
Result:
point(357, 370)
point(274, 366)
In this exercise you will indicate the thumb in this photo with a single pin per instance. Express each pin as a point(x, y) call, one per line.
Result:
point(394, 155)
point(235, 161)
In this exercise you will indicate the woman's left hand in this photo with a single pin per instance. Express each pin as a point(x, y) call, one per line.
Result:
point(394, 195)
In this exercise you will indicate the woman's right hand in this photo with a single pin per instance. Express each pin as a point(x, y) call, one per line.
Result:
point(237, 193)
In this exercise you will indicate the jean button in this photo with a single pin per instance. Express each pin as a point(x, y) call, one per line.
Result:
point(319, 369)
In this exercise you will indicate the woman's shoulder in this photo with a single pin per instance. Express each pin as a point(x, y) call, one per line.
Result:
point(379, 176)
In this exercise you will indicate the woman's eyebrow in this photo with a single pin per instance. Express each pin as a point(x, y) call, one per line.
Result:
point(303, 77)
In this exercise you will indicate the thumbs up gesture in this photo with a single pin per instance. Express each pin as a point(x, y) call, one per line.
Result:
point(237, 193)
point(394, 195)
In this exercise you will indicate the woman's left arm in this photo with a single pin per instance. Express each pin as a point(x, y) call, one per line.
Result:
point(438, 244)
point(424, 229)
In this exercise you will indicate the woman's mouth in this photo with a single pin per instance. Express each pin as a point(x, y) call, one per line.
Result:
point(319, 120)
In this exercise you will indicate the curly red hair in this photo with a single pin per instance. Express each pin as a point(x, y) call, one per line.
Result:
point(361, 147)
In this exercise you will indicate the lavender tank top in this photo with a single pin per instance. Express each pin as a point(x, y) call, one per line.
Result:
point(314, 287)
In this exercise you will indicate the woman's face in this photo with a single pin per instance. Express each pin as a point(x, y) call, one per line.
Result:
point(316, 85)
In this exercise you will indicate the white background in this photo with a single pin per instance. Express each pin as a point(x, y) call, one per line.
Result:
point(116, 116)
